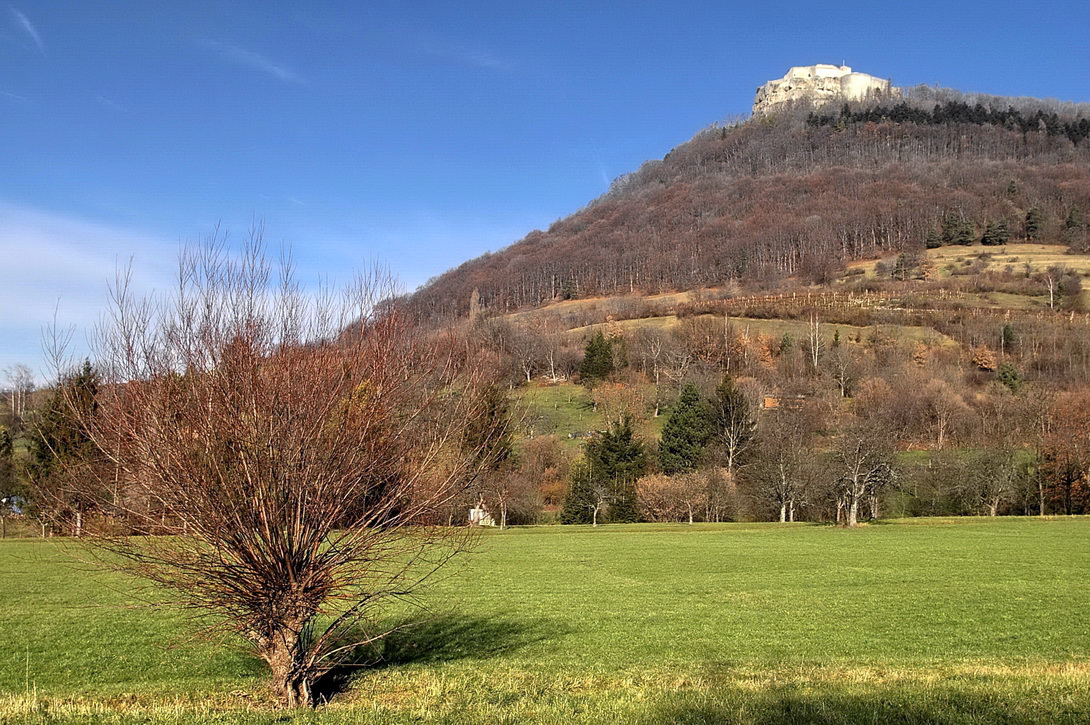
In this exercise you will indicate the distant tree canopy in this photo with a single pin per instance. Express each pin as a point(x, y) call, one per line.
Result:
point(959, 112)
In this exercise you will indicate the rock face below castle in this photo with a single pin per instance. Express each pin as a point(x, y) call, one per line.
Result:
point(817, 83)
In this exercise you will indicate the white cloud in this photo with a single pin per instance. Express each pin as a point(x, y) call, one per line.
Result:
point(254, 60)
point(60, 264)
point(28, 27)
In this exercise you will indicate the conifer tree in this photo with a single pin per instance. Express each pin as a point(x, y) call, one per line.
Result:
point(1009, 376)
point(60, 445)
point(685, 434)
point(1033, 223)
point(488, 434)
point(597, 359)
point(606, 478)
point(995, 233)
point(733, 422)
point(10, 485)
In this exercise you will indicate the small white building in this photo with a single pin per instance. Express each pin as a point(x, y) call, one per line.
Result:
point(479, 516)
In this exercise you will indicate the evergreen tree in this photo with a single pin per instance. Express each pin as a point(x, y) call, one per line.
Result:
point(995, 233)
point(685, 434)
point(607, 476)
point(10, 485)
point(956, 229)
point(1008, 375)
point(597, 359)
point(1074, 231)
point(1008, 337)
point(966, 233)
point(733, 423)
point(934, 239)
point(488, 434)
point(579, 499)
point(59, 445)
point(57, 436)
point(1033, 223)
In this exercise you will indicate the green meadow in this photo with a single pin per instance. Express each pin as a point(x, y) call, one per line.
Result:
point(920, 621)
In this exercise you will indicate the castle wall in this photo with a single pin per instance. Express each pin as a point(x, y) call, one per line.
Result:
point(817, 82)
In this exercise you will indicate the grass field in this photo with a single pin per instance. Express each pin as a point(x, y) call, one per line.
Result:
point(797, 329)
point(565, 409)
point(1038, 257)
point(954, 621)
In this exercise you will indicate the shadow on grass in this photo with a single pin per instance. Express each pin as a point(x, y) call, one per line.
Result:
point(784, 707)
point(435, 640)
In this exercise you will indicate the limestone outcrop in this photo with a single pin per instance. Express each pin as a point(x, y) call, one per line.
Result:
point(818, 83)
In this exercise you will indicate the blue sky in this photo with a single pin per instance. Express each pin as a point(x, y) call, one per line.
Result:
point(418, 133)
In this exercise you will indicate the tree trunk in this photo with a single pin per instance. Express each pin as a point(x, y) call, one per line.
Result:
point(853, 512)
point(791, 511)
point(783, 511)
point(503, 516)
point(289, 684)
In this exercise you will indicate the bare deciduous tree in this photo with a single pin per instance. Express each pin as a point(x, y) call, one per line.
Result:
point(671, 498)
point(20, 384)
point(862, 459)
point(278, 456)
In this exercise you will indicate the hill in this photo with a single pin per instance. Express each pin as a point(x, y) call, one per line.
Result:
point(802, 192)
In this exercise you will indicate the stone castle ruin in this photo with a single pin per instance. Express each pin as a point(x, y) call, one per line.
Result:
point(818, 83)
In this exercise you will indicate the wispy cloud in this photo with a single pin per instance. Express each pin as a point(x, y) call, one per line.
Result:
point(15, 96)
point(103, 100)
point(28, 27)
point(453, 52)
point(61, 264)
point(250, 59)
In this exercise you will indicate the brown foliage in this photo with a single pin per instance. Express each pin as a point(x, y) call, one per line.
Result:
point(279, 456)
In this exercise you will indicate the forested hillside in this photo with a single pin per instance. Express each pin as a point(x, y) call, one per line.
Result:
point(802, 193)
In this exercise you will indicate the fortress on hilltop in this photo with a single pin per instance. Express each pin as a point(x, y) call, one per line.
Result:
point(818, 83)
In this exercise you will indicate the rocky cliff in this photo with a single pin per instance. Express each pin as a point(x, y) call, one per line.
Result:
point(819, 83)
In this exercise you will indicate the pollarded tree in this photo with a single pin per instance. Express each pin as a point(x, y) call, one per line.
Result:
point(277, 457)
point(685, 434)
